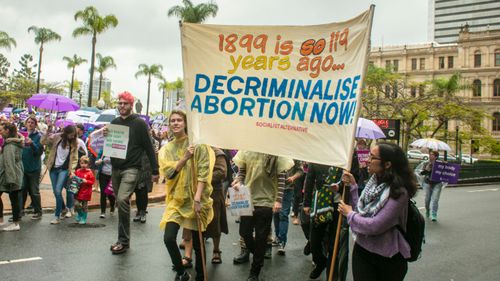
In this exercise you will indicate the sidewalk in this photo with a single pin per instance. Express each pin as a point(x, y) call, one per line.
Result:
point(49, 202)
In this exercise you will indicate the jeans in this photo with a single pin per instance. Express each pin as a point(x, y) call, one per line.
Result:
point(368, 266)
point(58, 178)
point(170, 240)
point(432, 194)
point(103, 182)
point(31, 185)
point(281, 218)
point(260, 222)
point(298, 196)
point(124, 182)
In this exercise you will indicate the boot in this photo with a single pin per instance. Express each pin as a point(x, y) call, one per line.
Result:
point(78, 216)
point(83, 218)
point(243, 257)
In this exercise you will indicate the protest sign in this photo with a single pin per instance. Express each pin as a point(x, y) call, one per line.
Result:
point(116, 142)
point(445, 172)
point(258, 88)
point(363, 155)
point(7, 111)
point(95, 142)
point(240, 201)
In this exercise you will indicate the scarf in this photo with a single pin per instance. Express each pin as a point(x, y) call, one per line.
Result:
point(373, 198)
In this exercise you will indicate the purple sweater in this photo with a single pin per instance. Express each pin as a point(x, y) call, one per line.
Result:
point(379, 234)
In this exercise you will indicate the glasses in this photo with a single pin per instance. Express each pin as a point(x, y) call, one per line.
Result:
point(373, 157)
point(123, 103)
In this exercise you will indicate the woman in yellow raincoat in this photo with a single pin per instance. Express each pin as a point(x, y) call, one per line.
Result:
point(188, 170)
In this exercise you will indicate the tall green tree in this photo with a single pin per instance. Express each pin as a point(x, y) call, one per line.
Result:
point(103, 63)
point(150, 71)
point(93, 24)
point(163, 86)
point(194, 14)
point(177, 86)
point(6, 41)
point(72, 63)
point(23, 82)
point(42, 35)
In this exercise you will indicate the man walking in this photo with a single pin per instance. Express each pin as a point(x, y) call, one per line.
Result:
point(125, 171)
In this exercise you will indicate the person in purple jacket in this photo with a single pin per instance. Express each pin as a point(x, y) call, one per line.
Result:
point(380, 250)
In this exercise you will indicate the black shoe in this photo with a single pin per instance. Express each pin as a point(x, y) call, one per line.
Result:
point(243, 257)
point(307, 249)
point(137, 217)
point(269, 252)
point(184, 277)
point(316, 272)
point(253, 277)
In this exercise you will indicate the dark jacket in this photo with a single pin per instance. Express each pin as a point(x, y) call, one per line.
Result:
point(138, 144)
point(11, 167)
point(317, 177)
point(32, 154)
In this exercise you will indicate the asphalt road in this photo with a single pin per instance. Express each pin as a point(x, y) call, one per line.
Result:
point(463, 245)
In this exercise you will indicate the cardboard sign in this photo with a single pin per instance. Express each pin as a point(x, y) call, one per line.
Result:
point(445, 172)
point(116, 142)
point(363, 156)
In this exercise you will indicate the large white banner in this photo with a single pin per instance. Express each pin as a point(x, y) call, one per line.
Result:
point(292, 91)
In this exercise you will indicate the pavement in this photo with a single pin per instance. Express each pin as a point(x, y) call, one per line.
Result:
point(49, 201)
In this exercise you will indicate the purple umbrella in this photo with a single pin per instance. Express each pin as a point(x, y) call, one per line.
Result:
point(367, 129)
point(64, 122)
point(53, 102)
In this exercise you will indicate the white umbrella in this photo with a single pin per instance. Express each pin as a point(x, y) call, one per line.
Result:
point(431, 143)
point(367, 129)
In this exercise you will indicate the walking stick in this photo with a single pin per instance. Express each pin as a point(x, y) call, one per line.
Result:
point(337, 238)
point(198, 222)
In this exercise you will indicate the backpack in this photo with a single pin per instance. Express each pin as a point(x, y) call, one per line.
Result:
point(415, 231)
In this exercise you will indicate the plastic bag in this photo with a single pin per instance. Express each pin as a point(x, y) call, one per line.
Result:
point(240, 201)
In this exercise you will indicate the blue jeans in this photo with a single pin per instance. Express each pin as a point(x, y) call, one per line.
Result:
point(58, 178)
point(281, 218)
point(432, 194)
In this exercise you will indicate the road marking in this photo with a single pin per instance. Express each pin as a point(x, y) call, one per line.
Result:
point(482, 190)
point(20, 260)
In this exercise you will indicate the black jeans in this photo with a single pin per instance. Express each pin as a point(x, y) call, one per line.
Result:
point(298, 195)
point(368, 266)
point(260, 222)
point(141, 199)
point(31, 185)
point(170, 240)
point(103, 182)
point(15, 200)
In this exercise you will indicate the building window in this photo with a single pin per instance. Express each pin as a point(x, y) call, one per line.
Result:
point(441, 62)
point(395, 90)
point(422, 63)
point(387, 91)
point(371, 63)
point(476, 88)
point(496, 121)
point(396, 65)
point(477, 59)
point(450, 62)
point(387, 64)
point(421, 90)
point(413, 64)
point(496, 88)
point(474, 145)
point(497, 57)
point(413, 91)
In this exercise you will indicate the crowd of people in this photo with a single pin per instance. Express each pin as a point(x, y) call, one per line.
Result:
point(372, 197)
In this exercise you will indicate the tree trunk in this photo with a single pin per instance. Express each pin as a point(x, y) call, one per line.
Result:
point(163, 101)
point(71, 85)
point(39, 69)
point(100, 84)
point(92, 61)
point(147, 104)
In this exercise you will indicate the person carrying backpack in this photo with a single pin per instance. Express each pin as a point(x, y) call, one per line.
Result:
point(378, 218)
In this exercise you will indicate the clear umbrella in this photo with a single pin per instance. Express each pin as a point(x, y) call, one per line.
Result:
point(431, 143)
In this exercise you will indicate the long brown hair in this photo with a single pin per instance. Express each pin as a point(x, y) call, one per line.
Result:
point(70, 129)
point(12, 129)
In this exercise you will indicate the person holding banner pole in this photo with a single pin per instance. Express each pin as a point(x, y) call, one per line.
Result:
point(264, 175)
point(188, 170)
point(380, 249)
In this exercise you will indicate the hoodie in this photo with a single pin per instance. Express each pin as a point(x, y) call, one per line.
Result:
point(11, 165)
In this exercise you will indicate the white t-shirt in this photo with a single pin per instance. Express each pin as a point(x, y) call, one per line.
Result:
point(81, 146)
point(62, 155)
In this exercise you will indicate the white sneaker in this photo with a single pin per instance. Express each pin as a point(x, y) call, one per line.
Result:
point(12, 227)
point(55, 221)
point(69, 214)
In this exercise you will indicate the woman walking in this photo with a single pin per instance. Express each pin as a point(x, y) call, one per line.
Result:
point(184, 201)
point(11, 171)
point(61, 163)
point(380, 249)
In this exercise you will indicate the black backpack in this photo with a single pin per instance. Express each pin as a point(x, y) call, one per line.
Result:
point(415, 231)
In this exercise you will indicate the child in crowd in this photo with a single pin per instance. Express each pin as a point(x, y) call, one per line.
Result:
point(84, 195)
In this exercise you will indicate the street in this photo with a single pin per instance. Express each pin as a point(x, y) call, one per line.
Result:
point(464, 245)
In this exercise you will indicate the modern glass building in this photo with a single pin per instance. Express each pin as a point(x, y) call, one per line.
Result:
point(448, 17)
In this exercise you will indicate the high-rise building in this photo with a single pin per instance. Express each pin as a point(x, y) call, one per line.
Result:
point(105, 87)
point(448, 17)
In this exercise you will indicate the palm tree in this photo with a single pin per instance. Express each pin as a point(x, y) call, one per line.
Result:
point(42, 35)
point(153, 70)
point(6, 41)
point(103, 64)
point(72, 64)
point(163, 86)
point(93, 24)
point(194, 14)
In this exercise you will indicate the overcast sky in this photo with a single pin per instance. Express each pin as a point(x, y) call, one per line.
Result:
point(146, 35)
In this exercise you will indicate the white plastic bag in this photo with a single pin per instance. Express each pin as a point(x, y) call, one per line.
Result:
point(241, 202)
